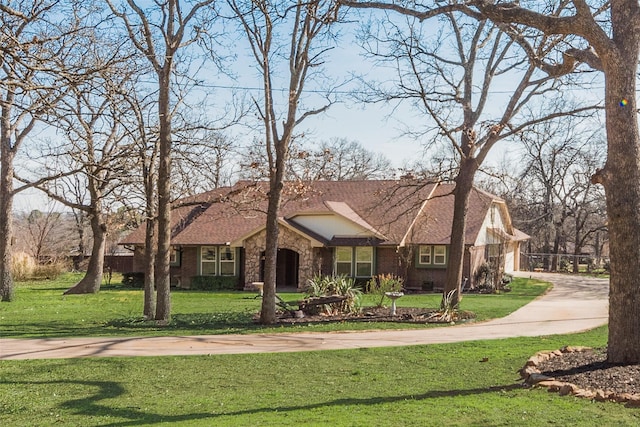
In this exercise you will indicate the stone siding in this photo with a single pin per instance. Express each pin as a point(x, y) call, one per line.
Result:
point(254, 246)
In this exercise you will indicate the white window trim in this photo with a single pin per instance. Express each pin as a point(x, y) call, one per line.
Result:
point(436, 254)
point(203, 261)
point(231, 261)
point(335, 266)
point(370, 261)
point(426, 251)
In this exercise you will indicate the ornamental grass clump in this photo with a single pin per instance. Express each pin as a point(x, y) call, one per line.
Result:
point(381, 284)
point(22, 266)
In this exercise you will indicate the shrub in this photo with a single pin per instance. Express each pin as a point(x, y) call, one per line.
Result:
point(213, 283)
point(133, 279)
point(346, 287)
point(22, 266)
point(482, 275)
point(51, 270)
point(322, 286)
point(383, 283)
point(319, 286)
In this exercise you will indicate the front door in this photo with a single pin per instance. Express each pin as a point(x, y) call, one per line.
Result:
point(287, 264)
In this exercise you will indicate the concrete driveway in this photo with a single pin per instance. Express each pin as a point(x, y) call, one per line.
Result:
point(574, 304)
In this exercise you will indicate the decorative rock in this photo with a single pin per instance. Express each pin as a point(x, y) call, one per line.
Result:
point(533, 376)
point(621, 397)
point(587, 394)
point(552, 385)
point(600, 396)
point(536, 378)
point(567, 389)
point(542, 356)
point(527, 371)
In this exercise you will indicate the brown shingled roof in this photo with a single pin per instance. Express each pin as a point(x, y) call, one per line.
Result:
point(387, 207)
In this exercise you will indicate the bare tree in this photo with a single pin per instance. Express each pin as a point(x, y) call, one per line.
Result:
point(335, 160)
point(338, 160)
point(92, 152)
point(160, 32)
point(452, 79)
point(608, 40)
point(204, 160)
point(547, 186)
point(43, 234)
point(307, 25)
point(33, 35)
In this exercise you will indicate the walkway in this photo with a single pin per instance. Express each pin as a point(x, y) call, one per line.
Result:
point(574, 304)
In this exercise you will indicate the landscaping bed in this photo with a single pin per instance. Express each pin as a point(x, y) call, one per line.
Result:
point(376, 314)
point(589, 369)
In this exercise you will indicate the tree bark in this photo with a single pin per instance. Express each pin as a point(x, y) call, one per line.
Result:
point(464, 185)
point(268, 310)
point(90, 283)
point(6, 207)
point(149, 308)
point(621, 179)
point(162, 267)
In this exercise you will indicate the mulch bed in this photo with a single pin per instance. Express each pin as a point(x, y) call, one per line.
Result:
point(375, 314)
point(589, 370)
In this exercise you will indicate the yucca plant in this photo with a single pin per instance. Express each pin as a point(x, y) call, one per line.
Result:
point(346, 287)
point(319, 286)
point(448, 308)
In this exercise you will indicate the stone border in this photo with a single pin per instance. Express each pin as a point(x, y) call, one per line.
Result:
point(533, 377)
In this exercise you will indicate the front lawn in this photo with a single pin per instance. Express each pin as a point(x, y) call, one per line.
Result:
point(464, 384)
point(40, 310)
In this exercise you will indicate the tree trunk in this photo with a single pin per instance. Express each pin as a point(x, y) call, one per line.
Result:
point(268, 311)
point(162, 267)
point(6, 219)
point(90, 283)
point(621, 179)
point(77, 260)
point(464, 185)
point(556, 251)
point(149, 308)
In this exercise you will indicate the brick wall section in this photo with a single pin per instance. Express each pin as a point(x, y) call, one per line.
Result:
point(388, 262)
point(324, 261)
point(188, 265)
point(420, 275)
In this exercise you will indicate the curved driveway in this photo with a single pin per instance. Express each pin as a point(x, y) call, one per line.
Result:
point(574, 304)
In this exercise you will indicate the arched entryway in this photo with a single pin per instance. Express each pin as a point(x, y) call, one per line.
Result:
point(288, 263)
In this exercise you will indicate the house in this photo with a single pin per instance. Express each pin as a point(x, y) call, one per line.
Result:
point(353, 228)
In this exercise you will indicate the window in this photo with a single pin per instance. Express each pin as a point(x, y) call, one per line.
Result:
point(227, 261)
point(364, 261)
point(174, 257)
point(425, 254)
point(208, 260)
point(493, 253)
point(440, 255)
point(344, 257)
point(356, 262)
point(432, 256)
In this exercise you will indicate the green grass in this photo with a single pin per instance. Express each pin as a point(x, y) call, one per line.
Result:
point(436, 385)
point(40, 310)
